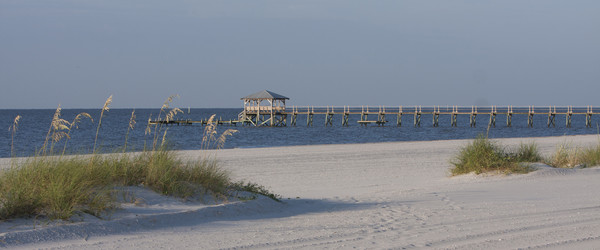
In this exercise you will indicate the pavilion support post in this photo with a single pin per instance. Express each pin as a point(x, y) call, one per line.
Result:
point(285, 120)
point(257, 113)
point(272, 118)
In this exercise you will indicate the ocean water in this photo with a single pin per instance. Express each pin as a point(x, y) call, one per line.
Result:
point(34, 126)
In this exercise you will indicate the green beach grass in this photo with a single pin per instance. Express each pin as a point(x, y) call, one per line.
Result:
point(53, 185)
point(484, 156)
point(566, 156)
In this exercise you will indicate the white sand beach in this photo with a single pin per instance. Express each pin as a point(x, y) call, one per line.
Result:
point(381, 195)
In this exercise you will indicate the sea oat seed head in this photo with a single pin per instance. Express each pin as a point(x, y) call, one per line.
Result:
point(223, 137)
point(172, 114)
point(132, 120)
point(107, 103)
point(148, 128)
point(78, 119)
point(13, 128)
point(169, 100)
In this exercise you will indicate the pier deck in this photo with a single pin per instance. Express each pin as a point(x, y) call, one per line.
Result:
point(280, 117)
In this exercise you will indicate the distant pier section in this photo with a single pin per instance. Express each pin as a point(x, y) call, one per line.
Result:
point(267, 108)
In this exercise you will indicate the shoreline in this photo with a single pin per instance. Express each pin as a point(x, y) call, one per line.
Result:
point(585, 138)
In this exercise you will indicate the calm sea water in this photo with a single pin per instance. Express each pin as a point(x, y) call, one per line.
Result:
point(34, 126)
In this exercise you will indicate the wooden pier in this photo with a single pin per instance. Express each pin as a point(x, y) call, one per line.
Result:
point(266, 108)
point(491, 112)
point(381, 116)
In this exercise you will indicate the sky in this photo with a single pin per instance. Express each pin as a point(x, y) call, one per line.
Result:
point(341, 52)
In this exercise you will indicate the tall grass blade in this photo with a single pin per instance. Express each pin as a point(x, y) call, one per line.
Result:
point(13, 130)
point(75, 123)
point(130, 127)
point(168, 116)
point(104, 108)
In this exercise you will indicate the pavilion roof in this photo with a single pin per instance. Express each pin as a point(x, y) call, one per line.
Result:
point(265, 94)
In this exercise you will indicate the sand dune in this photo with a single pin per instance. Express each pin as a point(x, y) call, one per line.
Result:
point(381, 195)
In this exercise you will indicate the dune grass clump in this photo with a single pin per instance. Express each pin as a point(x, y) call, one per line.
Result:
point(53, 188)
point(566, 156)
point(59, 187)
point(526, 153)
point(591, 156)
point(483, 155)
point(56, 186)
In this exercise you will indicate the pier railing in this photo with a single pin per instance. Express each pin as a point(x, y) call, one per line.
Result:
point(382, 115)
point(561, 110)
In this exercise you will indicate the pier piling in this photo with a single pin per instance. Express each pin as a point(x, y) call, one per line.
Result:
point(551, 116)
point(417, 119)
point(473, 117)
point(530, 117)
point(260, 115)
point(399, 118)
point(568, 116)
point(509, 114)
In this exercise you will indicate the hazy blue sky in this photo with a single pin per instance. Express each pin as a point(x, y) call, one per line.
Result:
point(78, 52)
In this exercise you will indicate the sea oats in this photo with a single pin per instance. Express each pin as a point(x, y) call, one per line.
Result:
point(172, 114)
point(79, 117)
point(169, 100)
point(164, 138)
point(130, 127)
point(168, 117)
point(107, 103)
point(55, 131)
point(148, 127)
point(209, 133)
point(75, 123)
point(15, 124)
point(13, 130)
point(132, 120)
point(223, 137)
point(104, 108)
